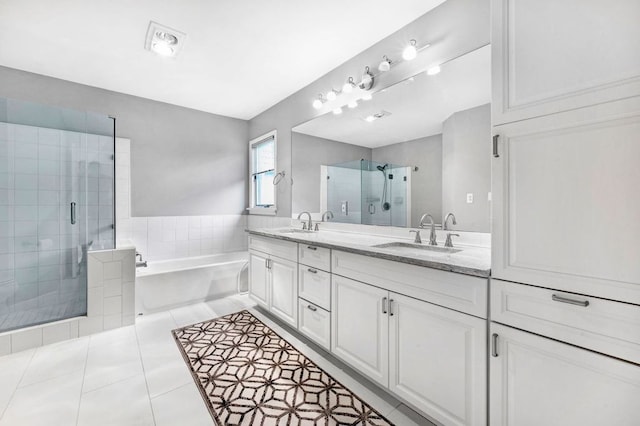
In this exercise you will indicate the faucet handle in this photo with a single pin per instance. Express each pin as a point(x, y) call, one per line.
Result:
point(316, 228)
point(304, 226)
point(448, 242)
point(418, 240)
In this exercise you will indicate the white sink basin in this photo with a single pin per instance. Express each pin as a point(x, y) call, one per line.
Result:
point(295, 231)
point(402, 247)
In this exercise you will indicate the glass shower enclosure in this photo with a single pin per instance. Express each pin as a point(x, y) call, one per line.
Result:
point(368, 192)
point(56, 203)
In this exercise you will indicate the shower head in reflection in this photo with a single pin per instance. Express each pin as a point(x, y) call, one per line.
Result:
point(382, 168)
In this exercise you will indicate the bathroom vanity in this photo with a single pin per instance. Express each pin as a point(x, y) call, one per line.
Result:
point(412, 319)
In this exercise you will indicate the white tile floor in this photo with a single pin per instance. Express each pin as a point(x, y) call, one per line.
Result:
point(136, 376)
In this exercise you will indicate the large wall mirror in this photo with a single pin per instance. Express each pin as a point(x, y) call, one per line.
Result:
point(421, 145)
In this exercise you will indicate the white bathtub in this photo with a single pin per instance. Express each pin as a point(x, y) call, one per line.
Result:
point(170, 283)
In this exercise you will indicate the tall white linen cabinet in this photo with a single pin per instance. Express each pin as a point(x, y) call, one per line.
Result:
point(565, 287)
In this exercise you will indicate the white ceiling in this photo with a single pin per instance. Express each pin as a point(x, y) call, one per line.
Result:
point(240, 57)
point(418, 106)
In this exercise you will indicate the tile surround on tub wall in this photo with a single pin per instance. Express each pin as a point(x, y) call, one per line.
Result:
point(159, 238)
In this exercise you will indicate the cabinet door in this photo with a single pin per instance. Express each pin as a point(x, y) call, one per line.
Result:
point(565, 204)
point(589, 57)
point(438, 360)
point(284, 290)
point(537, 381)
point(258, 274)
point(359, 324)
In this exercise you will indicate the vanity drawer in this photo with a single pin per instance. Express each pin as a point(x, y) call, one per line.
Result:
point(314, 256)
point(315, 286)
point(602, 325)
point(463, 293)
point(274, 247)
point(315, 323)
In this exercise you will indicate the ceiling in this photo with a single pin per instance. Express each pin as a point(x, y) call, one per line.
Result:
point(239, 58)
point(418, 106)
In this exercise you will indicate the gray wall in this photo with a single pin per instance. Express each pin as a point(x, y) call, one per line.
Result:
point(453, 28)
point(184, 162)
point(310, 153)
point(466, 167)
point(426, 183)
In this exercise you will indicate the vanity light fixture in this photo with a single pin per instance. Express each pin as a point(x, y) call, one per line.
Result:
point(367, 96)
point(317, 104)
point(366, 83)
point(332, 95)
point(337, 111)
point(385, 65)
point(352, 104)
point(410, 52)
point(433, 70)
point(349, 86)
point(163, 40)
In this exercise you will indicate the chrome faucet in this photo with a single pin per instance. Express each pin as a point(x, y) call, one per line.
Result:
point(310, 224)
point(327, 215)
point(141, 263)
point(418, 240)
point(446, 219)
point(432, 234)
point(448, 243)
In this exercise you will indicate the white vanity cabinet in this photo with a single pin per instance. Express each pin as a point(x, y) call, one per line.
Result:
point(273, 271)
point(431, 356)
point(314, 293)
point(551, 56)
point(538, 381)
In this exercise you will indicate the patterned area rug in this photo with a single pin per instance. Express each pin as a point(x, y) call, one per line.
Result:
point(248, 375)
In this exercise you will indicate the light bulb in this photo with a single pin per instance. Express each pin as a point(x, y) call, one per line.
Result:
point(385, 65)
point(410, 52)
point(348, 86)
point(352, 104)
point(366, 96)
point(337, 111)
point(162, 48)
point(317, 104)
point(331, 96)
point(433, 70)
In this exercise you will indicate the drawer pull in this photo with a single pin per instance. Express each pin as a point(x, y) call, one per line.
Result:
point(312, 248)
point(384, 305)
point(312, 308)
point(583, 303)
point(494, 345)
point(313, 271)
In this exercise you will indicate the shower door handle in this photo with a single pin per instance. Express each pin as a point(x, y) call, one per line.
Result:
point(73, 213)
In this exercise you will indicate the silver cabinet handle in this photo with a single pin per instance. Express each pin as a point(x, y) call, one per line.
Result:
point(312, 248)
point(73, 213)
point(313, 271)
point(494, 345)
point(556, 298)
point(384, 305)
point(390, 307)
point(495, 146)
point(312, 308)
point(266, 263)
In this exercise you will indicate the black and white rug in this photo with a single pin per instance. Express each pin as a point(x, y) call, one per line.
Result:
point(248, 375)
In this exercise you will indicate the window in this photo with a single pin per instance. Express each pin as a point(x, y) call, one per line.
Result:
point(262, 160)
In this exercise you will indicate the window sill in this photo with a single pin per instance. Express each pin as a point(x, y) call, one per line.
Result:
point(262, 211)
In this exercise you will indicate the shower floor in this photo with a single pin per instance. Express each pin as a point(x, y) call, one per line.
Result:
point(14, 320)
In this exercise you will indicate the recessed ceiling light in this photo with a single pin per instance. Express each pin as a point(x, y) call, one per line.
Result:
point(376, 116)
point(163, 40)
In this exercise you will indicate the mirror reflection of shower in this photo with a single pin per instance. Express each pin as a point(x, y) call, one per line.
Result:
point(367, 192)
point(384, 204)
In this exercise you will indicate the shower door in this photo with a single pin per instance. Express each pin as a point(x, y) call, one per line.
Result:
point(45, 202)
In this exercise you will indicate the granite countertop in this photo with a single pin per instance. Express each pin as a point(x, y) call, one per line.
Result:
point(470, 260)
